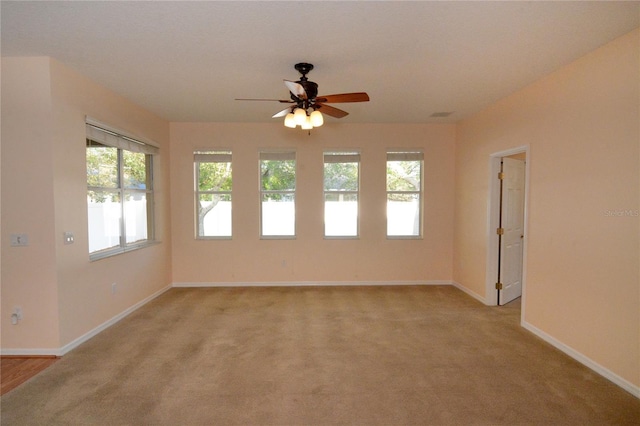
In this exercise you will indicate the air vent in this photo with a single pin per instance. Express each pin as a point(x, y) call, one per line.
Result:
point(441, 114)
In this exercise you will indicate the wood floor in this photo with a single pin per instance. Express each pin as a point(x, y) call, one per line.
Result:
point(18, 369)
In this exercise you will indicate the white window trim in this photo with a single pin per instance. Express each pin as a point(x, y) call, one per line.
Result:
point(281, 155)
point(115, 138)
point(409, 154)
point(346, 156)
point(220, 155)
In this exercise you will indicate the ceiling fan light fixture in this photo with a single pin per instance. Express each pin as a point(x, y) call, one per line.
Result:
point(307, 124)
point(300, 116)
point(316, 118)
point(290, 121)
point(304, 102)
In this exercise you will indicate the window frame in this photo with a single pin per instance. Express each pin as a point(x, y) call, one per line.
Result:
point(277, 155)
point(103, 135)
point(216, 156)
point(406, 155)
point(346, 155)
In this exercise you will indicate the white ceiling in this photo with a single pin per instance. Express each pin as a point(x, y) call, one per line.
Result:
point(188, 61)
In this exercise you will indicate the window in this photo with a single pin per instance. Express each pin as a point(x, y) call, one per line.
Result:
point(119, 192)
point(341, 185)
point(277, 194)
point(213, 194)
point(404, 194)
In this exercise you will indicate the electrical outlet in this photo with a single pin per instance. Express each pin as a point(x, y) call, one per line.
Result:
point(113, 288)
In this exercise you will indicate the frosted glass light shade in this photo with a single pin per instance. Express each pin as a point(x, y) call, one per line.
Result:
point(316, 118)
point(300, 115)
point(290, 121)
point(307, 124)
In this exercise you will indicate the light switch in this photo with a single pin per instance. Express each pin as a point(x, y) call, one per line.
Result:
point(18, 240)
point(68, 237)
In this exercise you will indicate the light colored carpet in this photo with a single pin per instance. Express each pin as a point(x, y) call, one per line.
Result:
point(318, 356)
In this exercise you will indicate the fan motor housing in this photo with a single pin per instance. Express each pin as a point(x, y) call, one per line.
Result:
point(311, 88)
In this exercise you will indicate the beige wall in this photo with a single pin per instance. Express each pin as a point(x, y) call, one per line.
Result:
point(583, 274)
point(28, 273)
point(62, 293)
point(311, 258)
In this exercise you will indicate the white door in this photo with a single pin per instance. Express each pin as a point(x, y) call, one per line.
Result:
point(512, 222)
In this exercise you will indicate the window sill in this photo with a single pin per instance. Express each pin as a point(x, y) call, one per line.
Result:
point(222, 238)
point(115, 252)
point(341, 237)
point(278, 237)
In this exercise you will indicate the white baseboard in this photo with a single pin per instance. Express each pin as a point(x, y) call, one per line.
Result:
point(469, 292)
point(77, 342)
point(31, 352)
point(588, 362)
point(69, 346)
point(309, 283)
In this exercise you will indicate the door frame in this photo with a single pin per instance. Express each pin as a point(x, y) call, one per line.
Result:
point(493, 221)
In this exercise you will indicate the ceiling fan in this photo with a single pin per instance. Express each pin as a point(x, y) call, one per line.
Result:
point(306, 107)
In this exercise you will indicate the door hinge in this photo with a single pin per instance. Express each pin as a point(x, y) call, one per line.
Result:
point(498, 286)
point(500, 231)
point(501, 175)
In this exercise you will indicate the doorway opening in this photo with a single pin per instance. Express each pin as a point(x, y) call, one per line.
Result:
point(507, 227)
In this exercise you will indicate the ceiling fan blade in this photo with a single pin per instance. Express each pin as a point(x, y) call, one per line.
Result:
point(282, 113)
point(296, 89)
point(344, 97)
point(331, 111)
point(282, 101)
